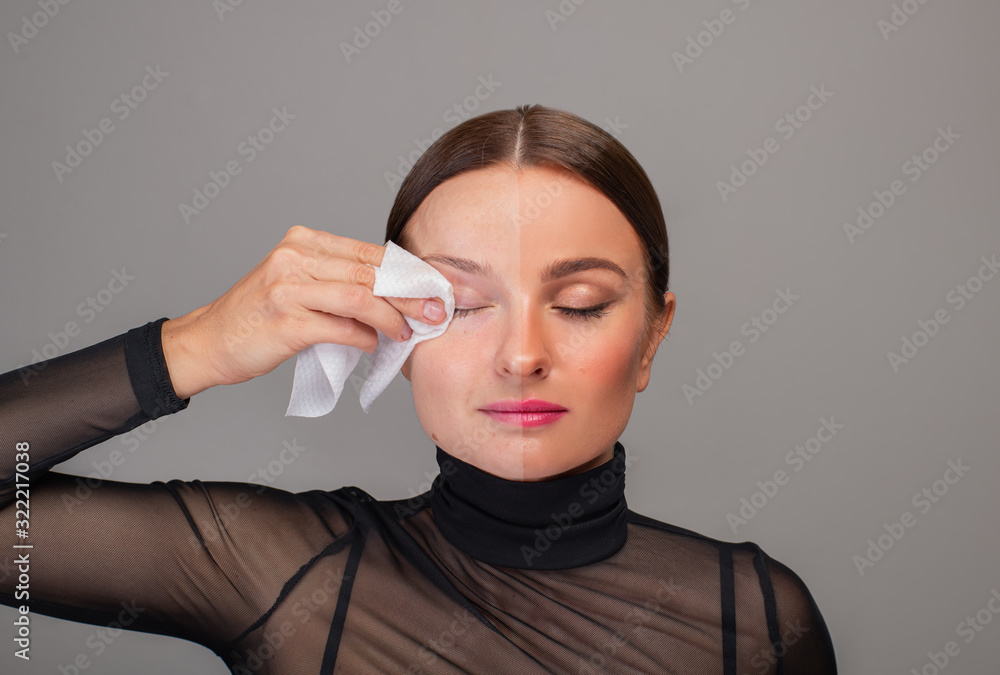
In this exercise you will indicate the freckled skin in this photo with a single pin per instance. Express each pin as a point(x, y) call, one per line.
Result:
point(517, 344)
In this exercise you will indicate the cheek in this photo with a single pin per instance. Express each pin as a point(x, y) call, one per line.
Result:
point(439, 367)
point(606, 362)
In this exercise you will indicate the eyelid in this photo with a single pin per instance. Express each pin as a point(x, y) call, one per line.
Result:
point(465, 291)
point(587, 313)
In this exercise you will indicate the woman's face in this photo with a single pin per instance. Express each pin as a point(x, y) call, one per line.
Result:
point(506, 241)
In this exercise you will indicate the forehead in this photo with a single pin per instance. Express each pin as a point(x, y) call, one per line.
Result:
point(524, 217)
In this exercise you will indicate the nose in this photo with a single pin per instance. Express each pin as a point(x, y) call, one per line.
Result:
point(523, 350)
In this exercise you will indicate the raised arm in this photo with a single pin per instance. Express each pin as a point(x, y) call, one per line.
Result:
point(188, 559)
point(93, 550)
point(313, 287)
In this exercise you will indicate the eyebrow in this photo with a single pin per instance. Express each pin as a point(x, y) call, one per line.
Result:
point(557, 269)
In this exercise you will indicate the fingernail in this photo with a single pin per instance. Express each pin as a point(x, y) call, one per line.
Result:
point(434, 310)
point(407, 332)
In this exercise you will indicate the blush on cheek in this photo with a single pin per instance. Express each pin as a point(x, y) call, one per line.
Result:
point(608, 363)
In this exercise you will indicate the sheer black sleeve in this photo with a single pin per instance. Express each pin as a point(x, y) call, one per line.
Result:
point(805, 640)
point(176, 558)
point(69, 403)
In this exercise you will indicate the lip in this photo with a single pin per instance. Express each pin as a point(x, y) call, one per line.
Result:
point(526, 419)
point(528, 413)
point(529, 405)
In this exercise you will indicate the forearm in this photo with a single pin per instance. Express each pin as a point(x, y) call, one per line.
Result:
point(64, 405)
point(97, 544)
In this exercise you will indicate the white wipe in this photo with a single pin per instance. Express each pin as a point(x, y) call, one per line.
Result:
point(322, 369)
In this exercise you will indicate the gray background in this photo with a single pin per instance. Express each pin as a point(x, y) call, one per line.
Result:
point(827, 356)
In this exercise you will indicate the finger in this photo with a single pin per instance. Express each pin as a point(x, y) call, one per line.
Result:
point(417, 308)
point(331, 263)
point(342, 270)
point(330, 245)
point(296, 261)
point(351, 301)
point(329, 329)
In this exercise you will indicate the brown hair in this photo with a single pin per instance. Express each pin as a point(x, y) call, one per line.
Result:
point(532, 135)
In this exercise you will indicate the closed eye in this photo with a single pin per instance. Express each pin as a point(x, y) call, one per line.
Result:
point(586, 313)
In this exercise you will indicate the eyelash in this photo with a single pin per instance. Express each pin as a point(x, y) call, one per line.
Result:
point(586, 314)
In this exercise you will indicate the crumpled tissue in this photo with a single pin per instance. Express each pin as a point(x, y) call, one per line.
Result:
point(322, 369)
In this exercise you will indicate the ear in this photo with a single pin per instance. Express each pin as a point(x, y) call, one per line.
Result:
point(406, 367)
point(657, 333)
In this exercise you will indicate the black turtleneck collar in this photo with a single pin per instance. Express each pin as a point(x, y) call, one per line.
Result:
point(545, 525)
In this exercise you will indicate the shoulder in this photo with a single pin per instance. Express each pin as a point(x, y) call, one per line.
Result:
point(746, 560)
point(758, 586)
point(251, 510)
point(657, 535)
point(797, 620)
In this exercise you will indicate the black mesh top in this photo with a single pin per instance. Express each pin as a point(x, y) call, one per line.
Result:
point(477, 575)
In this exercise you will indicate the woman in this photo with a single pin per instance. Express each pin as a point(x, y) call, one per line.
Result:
point(523, 557)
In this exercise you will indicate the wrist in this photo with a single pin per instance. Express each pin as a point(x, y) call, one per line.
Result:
point(188, 374)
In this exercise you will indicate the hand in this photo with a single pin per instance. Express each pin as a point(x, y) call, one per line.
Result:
point(313, 287)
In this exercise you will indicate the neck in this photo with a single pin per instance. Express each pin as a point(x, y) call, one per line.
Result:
point(563, 522)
